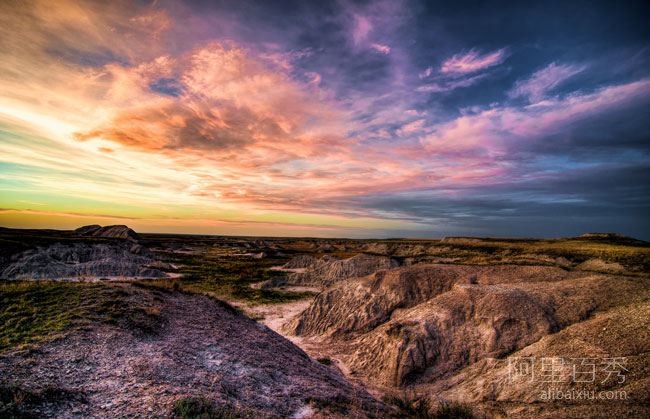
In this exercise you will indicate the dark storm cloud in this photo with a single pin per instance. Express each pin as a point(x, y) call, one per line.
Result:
point(602, 198)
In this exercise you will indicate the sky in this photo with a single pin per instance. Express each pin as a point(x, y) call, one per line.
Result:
point(330, 119)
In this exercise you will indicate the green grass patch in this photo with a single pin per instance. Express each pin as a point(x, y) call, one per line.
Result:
point(35, 311)
point(229, 277)
point(202, 408)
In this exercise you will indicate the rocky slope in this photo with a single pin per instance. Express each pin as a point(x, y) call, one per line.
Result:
point(621, 333)
point(362, 304)
point(79, 260)
point(201, 348)
point(300, 262)
point(327, 271)
point(90, 252)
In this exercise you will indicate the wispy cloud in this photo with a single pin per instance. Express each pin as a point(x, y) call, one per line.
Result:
point(491, 133)
point(446, 85)
point(544, 81)
point(361, 29)
point(426, 73)
point(472, 61)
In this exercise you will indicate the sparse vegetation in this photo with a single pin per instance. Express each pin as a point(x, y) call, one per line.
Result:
point(453, 410)
point(16, 402)
point(631, 253)
point(37, 311)
point(226, 276)
point(202, 408)
point(416, 407)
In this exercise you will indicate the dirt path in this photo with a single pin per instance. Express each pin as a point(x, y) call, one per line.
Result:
point(203, 349)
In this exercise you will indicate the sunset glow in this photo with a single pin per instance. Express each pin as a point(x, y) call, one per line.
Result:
point(372, 119)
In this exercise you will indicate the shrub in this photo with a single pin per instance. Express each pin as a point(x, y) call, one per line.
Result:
point(419, 407)
point(201, 408)
point(453, 410)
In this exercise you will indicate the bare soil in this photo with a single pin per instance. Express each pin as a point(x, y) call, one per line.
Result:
point(203, 348)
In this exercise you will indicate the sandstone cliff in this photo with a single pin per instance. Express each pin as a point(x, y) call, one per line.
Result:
point(418, 324)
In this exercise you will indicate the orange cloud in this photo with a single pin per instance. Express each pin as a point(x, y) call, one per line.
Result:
point(227, 100)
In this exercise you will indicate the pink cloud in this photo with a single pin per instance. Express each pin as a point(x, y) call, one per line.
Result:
point(543, 81)
point(230, 100)
point(449, 85)
point(472, 62)
point(242, 130)
point(384, 49)
point(412, 127)
point(490, 132)
point(361, 29)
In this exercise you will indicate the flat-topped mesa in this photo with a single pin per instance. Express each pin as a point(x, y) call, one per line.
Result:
point(114, 231)
point(601, 236)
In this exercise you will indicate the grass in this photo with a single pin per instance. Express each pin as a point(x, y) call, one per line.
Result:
point(38, 311)
point(16, 402)
point(202, 408)
point(453, 410)
point(635, 257)
point(228, 277)
point(412, 406)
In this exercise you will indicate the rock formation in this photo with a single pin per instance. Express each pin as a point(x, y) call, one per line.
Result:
point(114, 231)
point(300, 262)
point(363, 303)
point(327, 271)
point(421, 323)
point(91, 252)
point(75, 260)
point(620, 333)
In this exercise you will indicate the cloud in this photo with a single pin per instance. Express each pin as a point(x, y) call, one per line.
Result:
point(225, 100)
point(449, 85)
point(374, 25)
point(554, 204)
point(544, 81)
point(491, 132)
point(426, 73)
point(412, 127)
point(384, 49)
point(361, 29)
point(472, 62)
point(242, 114)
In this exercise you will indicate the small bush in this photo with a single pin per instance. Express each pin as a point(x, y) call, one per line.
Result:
point(419, 407)
point(202, 408)
point(16, 402)
point(325, 361)
point(194, 407)
point(453, 410)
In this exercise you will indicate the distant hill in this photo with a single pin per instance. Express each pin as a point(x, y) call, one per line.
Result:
point(114, 231)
